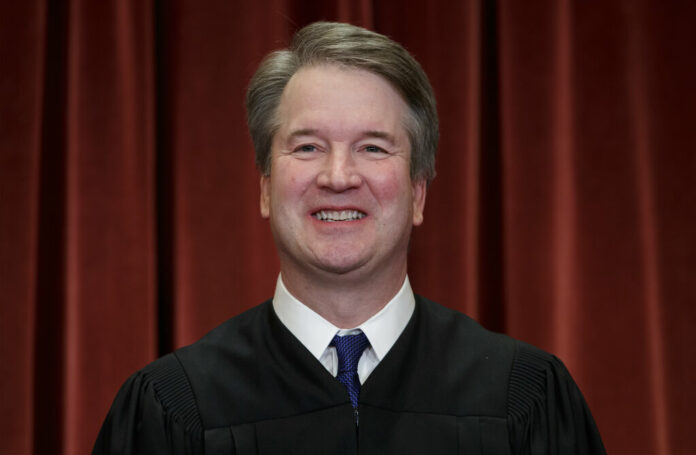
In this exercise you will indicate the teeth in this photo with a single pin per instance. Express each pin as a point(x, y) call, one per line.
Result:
point(335, 215)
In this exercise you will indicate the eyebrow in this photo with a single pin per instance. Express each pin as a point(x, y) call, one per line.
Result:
point(303, 132)
point(380, 135)
point(371, 133)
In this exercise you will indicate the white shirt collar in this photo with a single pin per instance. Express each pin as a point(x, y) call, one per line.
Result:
point(315, 332)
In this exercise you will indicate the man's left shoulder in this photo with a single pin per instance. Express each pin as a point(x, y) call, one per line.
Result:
point(491, 363)
point(460, 331)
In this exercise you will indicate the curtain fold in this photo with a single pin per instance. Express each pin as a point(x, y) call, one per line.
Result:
point(21, 97)
point(640, 132)
point(109, 206)
point(562, 214)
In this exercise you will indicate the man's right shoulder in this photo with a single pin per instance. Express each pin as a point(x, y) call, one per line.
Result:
point(241, 326)
point(236, 333)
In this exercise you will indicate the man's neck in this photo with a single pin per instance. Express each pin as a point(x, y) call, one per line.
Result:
point(343, 300)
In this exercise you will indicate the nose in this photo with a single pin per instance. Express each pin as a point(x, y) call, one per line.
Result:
point(339, 171)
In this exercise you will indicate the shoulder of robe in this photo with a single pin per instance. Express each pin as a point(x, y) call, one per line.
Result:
point(546, 410)
point(172, 389)
point(153, 412)
point(169, 375)
point(461, 331)
point(169, 379)
point(468, 358)
point(157, 409)
point(531, 388)
point(533, 371)
point(240, 332)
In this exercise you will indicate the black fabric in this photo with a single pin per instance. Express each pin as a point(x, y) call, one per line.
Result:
point(446, 386)
point(154, 412)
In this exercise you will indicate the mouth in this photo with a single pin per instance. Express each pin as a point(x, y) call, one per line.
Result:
point(338, 215)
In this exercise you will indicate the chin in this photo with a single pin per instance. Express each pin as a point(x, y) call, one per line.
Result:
point(338, 269)
point(341, 264)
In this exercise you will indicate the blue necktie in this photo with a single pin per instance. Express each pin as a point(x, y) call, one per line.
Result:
point(349, 349)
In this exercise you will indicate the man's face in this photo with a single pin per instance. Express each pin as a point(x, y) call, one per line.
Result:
point(339, 196)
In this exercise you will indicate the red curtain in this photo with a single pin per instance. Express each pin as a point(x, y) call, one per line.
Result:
point(562, 214)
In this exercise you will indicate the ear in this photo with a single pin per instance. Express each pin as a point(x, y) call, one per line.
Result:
point(265, 203)
point(419, 189)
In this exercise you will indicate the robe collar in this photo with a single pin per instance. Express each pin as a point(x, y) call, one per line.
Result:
point(315, 332)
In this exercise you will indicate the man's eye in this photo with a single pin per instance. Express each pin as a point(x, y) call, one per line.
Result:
point(306, 148)
point(374, 149)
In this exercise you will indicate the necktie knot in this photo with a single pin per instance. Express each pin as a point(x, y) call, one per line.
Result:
point(349, 349)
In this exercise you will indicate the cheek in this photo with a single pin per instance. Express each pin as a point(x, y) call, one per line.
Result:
point(390, 185)
point(290, 187)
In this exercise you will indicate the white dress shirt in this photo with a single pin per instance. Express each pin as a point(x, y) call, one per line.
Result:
point(315, 332)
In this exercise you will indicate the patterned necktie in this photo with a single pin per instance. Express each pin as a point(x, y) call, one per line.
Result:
point(349, 349)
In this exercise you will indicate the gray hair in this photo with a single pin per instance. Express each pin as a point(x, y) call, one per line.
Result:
point(354, 47)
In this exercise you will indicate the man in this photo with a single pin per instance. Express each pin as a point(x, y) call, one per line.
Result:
point(345, 359)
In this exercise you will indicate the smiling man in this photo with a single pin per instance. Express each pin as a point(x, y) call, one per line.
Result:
point(345, 358)
point(339, 194)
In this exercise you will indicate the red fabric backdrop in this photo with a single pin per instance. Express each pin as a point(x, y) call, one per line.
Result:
point(563, 212)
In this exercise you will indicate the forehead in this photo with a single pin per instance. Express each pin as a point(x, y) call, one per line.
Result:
point(334, 96)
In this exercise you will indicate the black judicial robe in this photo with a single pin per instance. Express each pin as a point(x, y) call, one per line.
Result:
point(446, 386)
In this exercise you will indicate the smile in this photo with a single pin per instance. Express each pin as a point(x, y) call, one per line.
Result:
point(339, 215)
